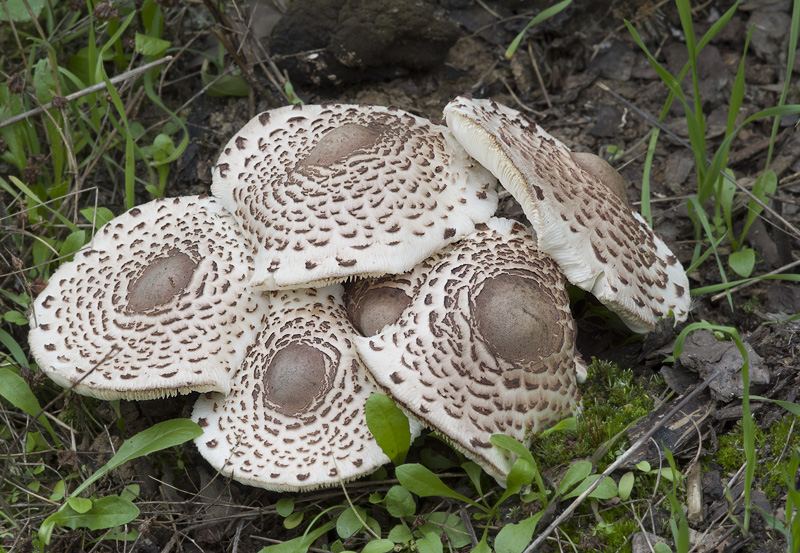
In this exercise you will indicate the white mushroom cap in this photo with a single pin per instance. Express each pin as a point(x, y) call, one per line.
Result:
point(486, 346)
point(295, 416)
point(156, 305)
point(332, 192)
point(598, 242)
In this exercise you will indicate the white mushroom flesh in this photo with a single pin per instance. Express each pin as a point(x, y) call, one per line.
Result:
point(598, 242)
point(156, 305)
point(332, 192)
point(486, 346)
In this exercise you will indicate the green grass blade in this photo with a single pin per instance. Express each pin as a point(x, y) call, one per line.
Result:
point(546, 14)
point(648, 166)
point(17, 392)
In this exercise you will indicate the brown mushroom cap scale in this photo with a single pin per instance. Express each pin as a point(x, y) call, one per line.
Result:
point(156, 305)
point(596, 240)
point(486, 346)
point(334, 192)
point(295, 416)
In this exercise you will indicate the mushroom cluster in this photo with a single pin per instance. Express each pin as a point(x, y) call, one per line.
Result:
point(461, 317)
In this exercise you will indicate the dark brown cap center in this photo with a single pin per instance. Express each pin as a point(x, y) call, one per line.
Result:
point(516, 318)
point(295, 377)
point(377, 308)
point(340, 143)
point(162, 280)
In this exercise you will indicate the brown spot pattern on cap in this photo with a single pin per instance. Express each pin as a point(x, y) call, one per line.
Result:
point(335, 191)
point(464, 375)
point(571, 211)
point(155, 306)
point(297, 398)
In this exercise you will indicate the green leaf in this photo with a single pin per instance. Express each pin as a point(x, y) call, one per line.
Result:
point(15, 317)
point(400, 534)
point(575, 473)
point(285, 506)
point(626, 486)
point(98, 217)
point(643, 466)
point(159, 436)
point(17, 392)
point(150, 46)
point(743, 261)
point(79, 504)
point(661, 547)
point(389, 426)
point(293, 520)
point(791, 407)
point(218, 86)
point(512, 445)
point(400, 503)
point(430, 543)
point(163, 147)
point(421, 481)
point(72, 243)
point(378, 546)
point(520, 475)
point(474, 471)
point(605, 490)
point(482, 547)
point(19, 13)
point(453, 526)
point(301, 544)
point(514, 538)
point(568, 424)
point(107, 512)
point(348, 523)
point(545, 14)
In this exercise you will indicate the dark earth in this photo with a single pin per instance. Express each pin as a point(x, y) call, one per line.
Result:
point(582, 77)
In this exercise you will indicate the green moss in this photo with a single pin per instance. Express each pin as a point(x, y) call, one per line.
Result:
point(613, 398)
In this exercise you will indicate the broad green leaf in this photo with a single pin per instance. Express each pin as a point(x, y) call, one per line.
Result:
point(474, 471)
point(575, 473)
point(400, 534)
point(19, 13)
point(400, 503)
point(98, 217)
point(661, 547)
point(378, 546)
point(421, 481)
point(482, 547)
point(58, 491)
point(743, 261)
point(79, 504)
point(430, 543)
point(15, 317)
point(643, 466)
point(217, 86)
point(72, 243)
point(453, 526)
point(293, 520)
point(159, 436)
point(107, 512)
point(389, 426)
point(301, 544)
point(285, 506)
point(17, 392)
point(512, 445)
point(570, 423)
point(150, 46)
point(520, 475)
point(348, 523)
point(626, 486)
point(514, 538)
point(605, 490)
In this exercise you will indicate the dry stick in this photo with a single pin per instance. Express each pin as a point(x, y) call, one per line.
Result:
point(94, 88)
point(538, 75)
point(619, 462)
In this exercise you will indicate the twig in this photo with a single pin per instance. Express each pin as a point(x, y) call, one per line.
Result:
point(94, 88)
point(538, 75)
point(619, 462)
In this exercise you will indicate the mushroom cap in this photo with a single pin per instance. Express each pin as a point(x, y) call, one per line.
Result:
point(486, 346)
point(374, 303)
point(156, 305)
point(599, 243)
point(332, 192)
point(298, 397)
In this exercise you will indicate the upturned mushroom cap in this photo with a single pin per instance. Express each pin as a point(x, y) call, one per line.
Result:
point(295, 416)
point(156, 305)
point(486, 346)
point(374, 303)
point(598, 242)
point(333, 192)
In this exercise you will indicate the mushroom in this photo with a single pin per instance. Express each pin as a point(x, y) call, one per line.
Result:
point(155, 306)
point(598, 243)
point(374, 303)
point(486, 345)
point(333, 192)
point(295, 416)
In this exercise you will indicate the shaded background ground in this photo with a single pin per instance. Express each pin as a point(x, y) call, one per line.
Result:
point(583, 79)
